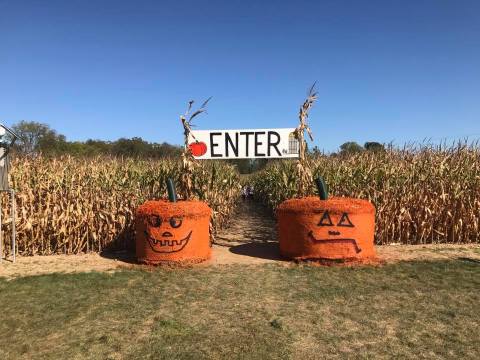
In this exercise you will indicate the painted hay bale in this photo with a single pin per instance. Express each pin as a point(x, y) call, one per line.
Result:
point(176, 232)
point(334, 229)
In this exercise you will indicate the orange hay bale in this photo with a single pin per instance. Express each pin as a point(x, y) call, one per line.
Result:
point(173, 232)
point(334, 229)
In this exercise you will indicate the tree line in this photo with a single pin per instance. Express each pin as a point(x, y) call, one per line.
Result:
point(37, 138)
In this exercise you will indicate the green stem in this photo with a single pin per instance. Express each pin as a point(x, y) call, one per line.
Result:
point(322, 188)
point(172, 194)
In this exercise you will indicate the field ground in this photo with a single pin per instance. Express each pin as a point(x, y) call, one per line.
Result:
point(250, 239)
point(243, 254)
point(420, 302)
point(420, 309)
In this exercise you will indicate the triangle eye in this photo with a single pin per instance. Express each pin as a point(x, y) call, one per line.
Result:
point(325, 220)
point(345, 221)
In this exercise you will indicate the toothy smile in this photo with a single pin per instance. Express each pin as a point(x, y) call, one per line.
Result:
point(167, 246)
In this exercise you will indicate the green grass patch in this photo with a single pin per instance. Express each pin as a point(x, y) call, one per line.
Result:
point(417, 309)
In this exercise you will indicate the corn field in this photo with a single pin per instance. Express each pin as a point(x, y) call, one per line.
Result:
point(72, 205)
point(422, 195)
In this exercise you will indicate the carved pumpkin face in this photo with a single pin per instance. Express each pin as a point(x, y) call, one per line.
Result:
point(166, 235)
point(337, 228)
point(173, 231)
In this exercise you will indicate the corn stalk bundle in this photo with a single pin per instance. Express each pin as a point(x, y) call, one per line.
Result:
point(422, 195)
point(188, 161)
point(71, 205)
point(304, 173)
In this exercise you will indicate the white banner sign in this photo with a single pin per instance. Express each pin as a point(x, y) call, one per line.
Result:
point(243, 144)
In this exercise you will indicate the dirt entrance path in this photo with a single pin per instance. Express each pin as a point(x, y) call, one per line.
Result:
point(249, 239)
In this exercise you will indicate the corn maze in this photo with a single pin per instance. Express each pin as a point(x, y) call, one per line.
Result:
point(71, 205)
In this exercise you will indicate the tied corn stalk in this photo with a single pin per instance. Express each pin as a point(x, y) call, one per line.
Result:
point(304, 173)
point(188, 161)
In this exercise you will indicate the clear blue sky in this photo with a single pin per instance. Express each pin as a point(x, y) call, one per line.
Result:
point(386, 70)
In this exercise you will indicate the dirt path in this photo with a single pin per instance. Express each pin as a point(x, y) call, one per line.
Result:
point(249, 239)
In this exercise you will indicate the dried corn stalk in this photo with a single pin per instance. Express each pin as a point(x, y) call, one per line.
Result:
point(71, 205)
point(188, 161)
point(304, 173)
point(423, 194)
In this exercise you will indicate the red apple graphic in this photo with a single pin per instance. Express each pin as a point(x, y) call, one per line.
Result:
point(198, 148)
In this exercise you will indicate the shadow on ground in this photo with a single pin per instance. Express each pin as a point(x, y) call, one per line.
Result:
point(123, 256)
point(251, 233)
point(262, 250)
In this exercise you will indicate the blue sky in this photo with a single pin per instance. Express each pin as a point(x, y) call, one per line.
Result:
point(386, 70)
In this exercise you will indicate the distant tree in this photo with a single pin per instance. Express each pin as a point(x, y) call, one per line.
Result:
point(316, 151)
point(244, 166)
point(374, 146)
point(97, 147)
point(135, 147)
point(53, 143)
point(89, 148)
point(259, 164)
point(166, 150)
point(248, 166)
point(35, 137)
point(350, 147)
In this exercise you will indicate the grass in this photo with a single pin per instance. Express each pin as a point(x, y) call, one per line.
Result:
point(404, 310)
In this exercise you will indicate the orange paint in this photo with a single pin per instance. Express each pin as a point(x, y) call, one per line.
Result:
point(173, 232)
point(335, 229)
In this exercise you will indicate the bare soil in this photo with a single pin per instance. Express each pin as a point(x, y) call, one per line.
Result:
point(250, 239)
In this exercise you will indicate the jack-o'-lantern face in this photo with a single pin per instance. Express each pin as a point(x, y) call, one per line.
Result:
point(166, 235)
point(333, 229)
